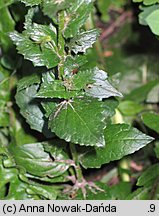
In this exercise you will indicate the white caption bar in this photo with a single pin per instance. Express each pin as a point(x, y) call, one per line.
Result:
point(79, 208)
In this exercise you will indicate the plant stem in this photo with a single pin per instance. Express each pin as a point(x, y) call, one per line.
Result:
point(61, 43)
point(78, 170)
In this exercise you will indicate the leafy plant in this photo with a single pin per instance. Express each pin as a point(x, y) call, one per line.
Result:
point(75, 112)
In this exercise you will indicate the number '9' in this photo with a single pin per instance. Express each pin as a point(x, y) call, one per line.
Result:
point(152, 208)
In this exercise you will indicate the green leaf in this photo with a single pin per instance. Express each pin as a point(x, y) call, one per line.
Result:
point(20, 135)
point(7, 173)
point(29, 18)
point(43, 191)
point(76, 16)
point(149, 176)
point(38, 45)
point(58, 179)
point(55, 89)
point(72, 64)
point(93, 82)
point(51, 7)
point(83, 41)
point(120, 191)
point(130, 108)
point(153, 21)
point(151, 120)
point(31, 2)
point(140, 194)
point(7, 25)
point(78, 125)
point(101, 88)
point(147, 2)
point(121, 140)
point(16, 188)
point(40, 159)
point(49, 107)
point(29, 108)
point(17, 191)
point(28, 81)
point(146, 12)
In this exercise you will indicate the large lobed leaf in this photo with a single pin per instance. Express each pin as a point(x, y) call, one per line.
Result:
point(121, 140)
point(73, 121)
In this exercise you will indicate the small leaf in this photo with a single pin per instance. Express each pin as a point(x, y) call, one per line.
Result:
point(151, 120)
point(121, 140)
point(76, 16)
point(51, 7)
point(83, 41)
point(78, 125)
point(28, 81)
point(31, 110)
point(146, 12)
point(153, 21)
point(130, 108)
point(101, 88)
point(38, 45)
point(149, 2)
